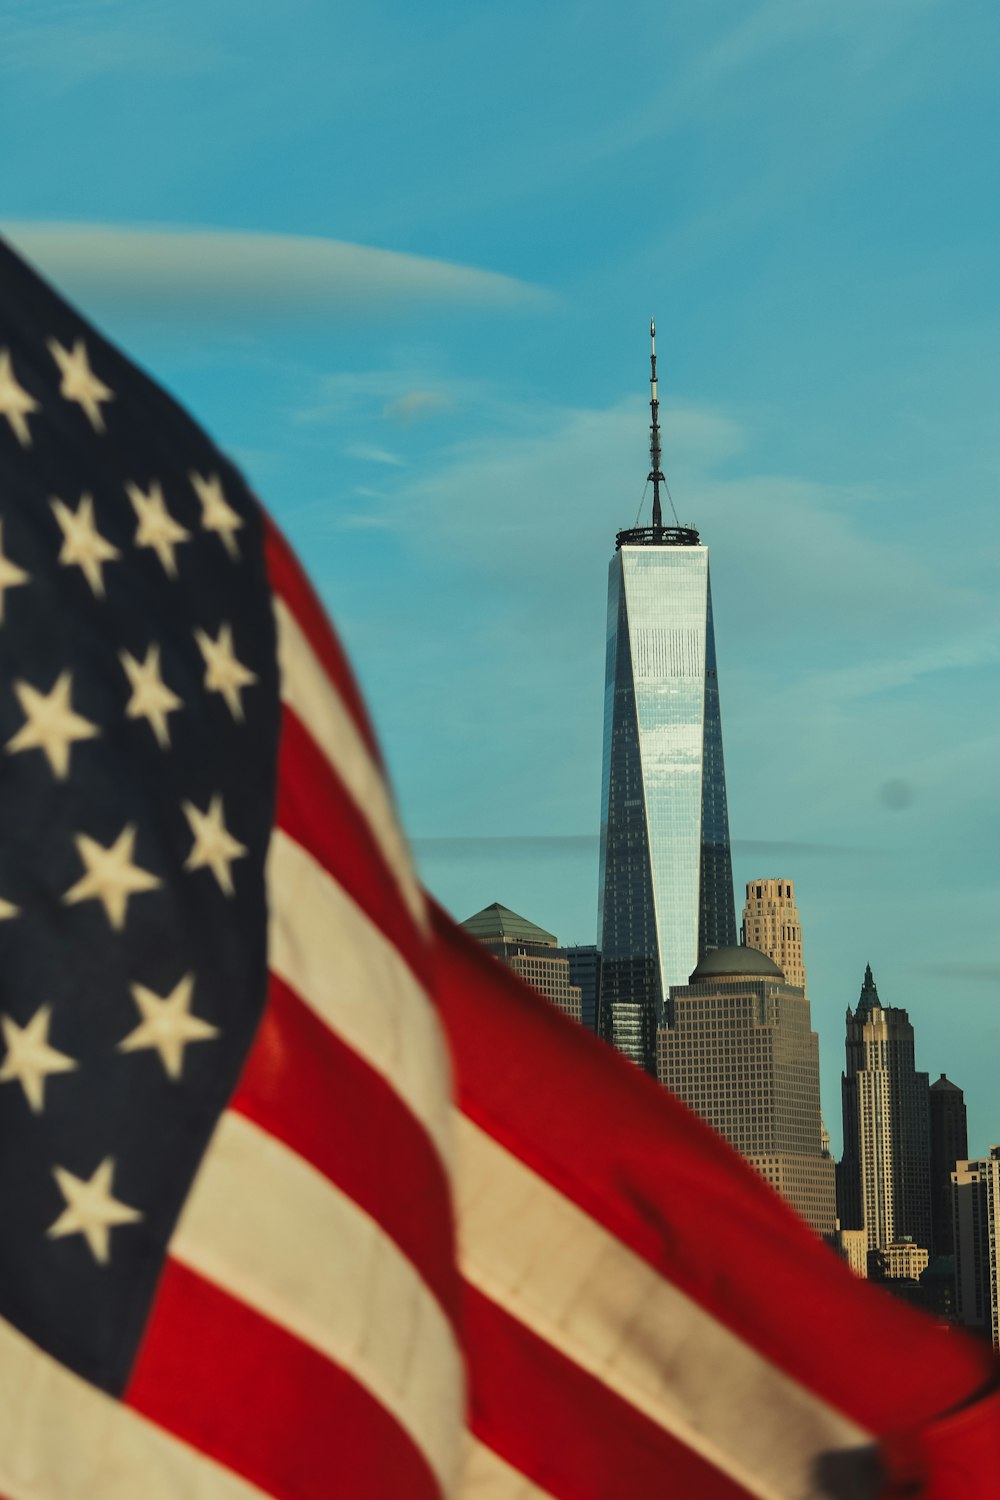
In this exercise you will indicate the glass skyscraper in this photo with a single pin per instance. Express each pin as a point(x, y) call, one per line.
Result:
point(666, 881)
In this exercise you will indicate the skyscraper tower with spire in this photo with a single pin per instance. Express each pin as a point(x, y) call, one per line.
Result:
point(666, 881)
point(884, 1179)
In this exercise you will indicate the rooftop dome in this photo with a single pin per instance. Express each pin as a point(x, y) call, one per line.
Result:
point(735, 963)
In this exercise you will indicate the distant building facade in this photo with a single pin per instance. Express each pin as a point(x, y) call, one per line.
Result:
point(949, 1145)
point(740, 1051)
point(884, 1179)
point(530, 951)
point(976, 1218)
point(771, 924)
point(852, 1246)
point(904, 1260)
point(585, 972)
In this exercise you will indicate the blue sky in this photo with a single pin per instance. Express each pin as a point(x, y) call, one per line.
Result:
point(401, 261)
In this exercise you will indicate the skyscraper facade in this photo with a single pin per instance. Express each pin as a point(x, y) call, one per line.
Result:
point(771, 924)
point(533, 954)
point(666, 884)
point(976, 1219)
point(949, 1144)
point(884, 1180)
point(742, 1053)
point(585, 972)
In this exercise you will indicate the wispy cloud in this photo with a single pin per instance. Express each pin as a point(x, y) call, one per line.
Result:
point(524, 846)
point(414, 405)
point(960, 973)
point(227, 275)
point(68, 44)
point(372, 454)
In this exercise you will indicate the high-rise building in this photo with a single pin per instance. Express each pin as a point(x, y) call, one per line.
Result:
point(976, 1217)
point(666, 884)
point(884, 1179)
point(771, 924)
point(533, 954)
point(949, 1144)
point(585, 971)
point(741, 1052)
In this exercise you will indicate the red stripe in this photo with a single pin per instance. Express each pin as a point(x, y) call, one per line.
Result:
point(238, 1388)
point(302, 1085)
point(287, 579)
point(569, 1433)
point(673, 1191)
point(314, 809)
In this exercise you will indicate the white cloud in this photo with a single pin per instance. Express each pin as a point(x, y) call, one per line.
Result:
point(228, 275)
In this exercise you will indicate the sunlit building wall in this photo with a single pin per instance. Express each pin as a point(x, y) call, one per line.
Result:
point(976, 1219)
point(741, 1052)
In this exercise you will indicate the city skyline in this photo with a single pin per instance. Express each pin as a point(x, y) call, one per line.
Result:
point(403, 266)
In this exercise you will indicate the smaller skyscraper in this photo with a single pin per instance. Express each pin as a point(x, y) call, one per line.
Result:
point(530, 951)
point(976, 1217)
point(884, 1180)
point(949, 1145)
point(585, 971)
point(741, 1053)
point(771, 924)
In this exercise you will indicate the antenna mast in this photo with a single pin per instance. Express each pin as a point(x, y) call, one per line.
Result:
point(656, 476)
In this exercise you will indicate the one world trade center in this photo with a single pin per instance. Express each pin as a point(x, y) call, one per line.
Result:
point(666, 880)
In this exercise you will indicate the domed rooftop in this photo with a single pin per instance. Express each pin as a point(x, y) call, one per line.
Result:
point(735, 963)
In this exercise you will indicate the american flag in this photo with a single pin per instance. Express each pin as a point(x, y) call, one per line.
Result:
point(303, 1195)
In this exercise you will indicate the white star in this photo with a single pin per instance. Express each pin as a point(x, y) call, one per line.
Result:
point(15, 402)
point(50, 723)
point(151, 698)
point(29, 1058)
point(223, 673)
point(157, 527)
point(10, 574)
point(214, 845)
point(83, 543)
point(167, 1024)
point(91, 1210)
point(79, 383)
point(111, 876)
point(216, 512)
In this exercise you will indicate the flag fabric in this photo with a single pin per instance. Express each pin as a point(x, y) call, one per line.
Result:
point(302, 1194)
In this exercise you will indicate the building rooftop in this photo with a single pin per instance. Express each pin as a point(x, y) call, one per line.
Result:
point(496, 921)
point(944, 1084)
point(735, 963)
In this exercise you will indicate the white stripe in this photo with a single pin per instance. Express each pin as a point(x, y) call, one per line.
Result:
point(570, 1281)
point(63, 1439)
point(486, 1476)
point(307, 690)
point(337, 961)
point(264, 1225)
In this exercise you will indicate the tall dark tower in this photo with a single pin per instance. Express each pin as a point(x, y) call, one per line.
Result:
point(949, 1144)
point(666, 880)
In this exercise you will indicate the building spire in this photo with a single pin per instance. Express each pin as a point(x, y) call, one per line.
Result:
point(655, 476)
point(868, 999)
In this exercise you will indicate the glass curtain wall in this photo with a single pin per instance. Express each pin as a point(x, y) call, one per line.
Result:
point(666, 877)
